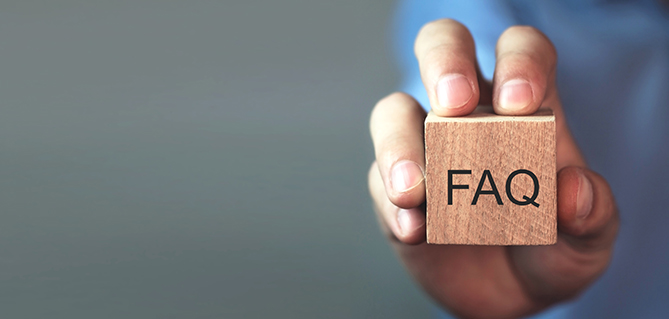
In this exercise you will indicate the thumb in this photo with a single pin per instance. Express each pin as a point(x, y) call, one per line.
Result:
point(588, 223)
point(587, 214)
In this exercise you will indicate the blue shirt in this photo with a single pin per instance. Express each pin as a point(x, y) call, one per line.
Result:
point(613, 78)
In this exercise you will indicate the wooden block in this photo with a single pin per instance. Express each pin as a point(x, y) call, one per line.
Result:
point(501, 172)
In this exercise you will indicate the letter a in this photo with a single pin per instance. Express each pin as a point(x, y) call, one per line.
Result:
point(490, 192)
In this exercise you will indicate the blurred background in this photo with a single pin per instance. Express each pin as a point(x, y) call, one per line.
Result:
point(193, 159)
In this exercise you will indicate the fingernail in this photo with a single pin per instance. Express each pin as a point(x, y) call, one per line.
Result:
point(584, 197)
point(407, 223)
point(515, 95)
point(405, 175)
point(454, 91)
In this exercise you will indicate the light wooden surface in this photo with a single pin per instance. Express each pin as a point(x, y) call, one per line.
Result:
point(501, 145)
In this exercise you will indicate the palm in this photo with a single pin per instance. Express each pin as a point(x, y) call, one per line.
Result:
point(499, 280)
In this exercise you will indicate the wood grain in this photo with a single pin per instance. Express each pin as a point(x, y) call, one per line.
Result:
point(500, 144)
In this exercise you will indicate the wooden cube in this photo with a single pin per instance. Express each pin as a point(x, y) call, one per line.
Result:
point(491, 179)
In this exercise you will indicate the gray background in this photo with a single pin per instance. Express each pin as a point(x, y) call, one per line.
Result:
point(193, 159)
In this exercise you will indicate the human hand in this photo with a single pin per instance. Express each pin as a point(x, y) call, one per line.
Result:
point(488, 281)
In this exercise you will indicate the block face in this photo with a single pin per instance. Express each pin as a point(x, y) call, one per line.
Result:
point(492, 148)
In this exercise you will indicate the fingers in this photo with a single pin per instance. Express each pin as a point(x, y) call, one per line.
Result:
point(404, 225)
point(396, 126)
point(524, 72)
point(447, 59)
point(524, 80)
point(396, 179)
point(587, 214)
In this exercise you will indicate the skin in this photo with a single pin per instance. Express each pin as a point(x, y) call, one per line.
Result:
point(488, 281)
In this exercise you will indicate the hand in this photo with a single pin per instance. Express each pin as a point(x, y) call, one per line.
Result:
point(488, 281)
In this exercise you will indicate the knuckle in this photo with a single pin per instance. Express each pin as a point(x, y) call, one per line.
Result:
point(519, 63)
point(519, 56)
point(388, 101)
point(394, 102)
point(396, 147)
point(547, 48)
point(439, 24)
point(522, 29)
point(394, 97)
point(537, 67)
point(440, 56)
point(434, 28)
point(525, 31)
point(379, 109)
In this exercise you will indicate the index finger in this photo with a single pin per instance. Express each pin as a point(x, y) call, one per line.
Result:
point(447, 60)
